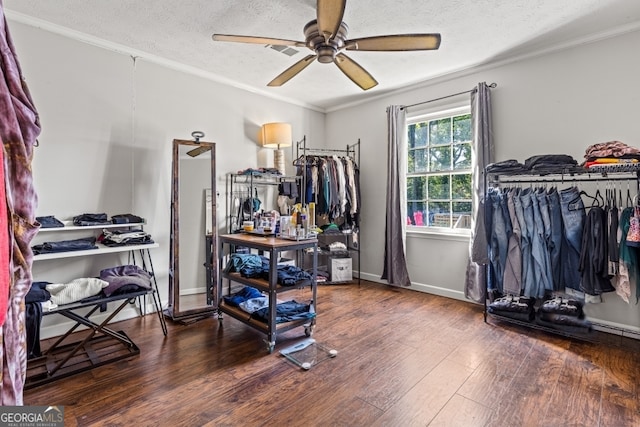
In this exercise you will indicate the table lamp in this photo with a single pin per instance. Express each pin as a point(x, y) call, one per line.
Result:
point(275, 136)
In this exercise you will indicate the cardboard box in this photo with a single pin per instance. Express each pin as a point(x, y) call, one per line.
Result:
point(340, 269)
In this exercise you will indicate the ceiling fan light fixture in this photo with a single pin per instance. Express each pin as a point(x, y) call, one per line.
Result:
point(326, 54)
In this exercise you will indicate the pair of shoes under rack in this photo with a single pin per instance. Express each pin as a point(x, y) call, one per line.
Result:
point(566, 307)
point(513, 303)
point(515, 307)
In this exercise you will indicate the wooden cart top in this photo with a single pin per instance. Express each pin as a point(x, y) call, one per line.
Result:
point(266, 242)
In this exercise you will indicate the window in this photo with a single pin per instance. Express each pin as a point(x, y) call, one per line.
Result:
point(439, 171)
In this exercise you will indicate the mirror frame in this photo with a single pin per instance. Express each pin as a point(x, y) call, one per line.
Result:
point(173, 309)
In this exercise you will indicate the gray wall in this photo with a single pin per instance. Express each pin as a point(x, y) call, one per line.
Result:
point(108, 123)
point(560, 102)
point(107, 127)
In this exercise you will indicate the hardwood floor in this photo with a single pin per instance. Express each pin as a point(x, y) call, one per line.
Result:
point(405, 359)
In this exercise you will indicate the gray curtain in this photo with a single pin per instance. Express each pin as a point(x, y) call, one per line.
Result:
point(481, 156)
point(395, 264)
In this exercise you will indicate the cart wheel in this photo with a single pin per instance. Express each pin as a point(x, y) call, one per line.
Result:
point(270, 347)
point(308, 330)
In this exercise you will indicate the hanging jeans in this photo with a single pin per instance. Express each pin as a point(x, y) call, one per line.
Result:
point(555, 238)
point(513, 268)
point(498, 241)
point(573, 217)
point(534, 231)
point(522, 203)
point(543, 232)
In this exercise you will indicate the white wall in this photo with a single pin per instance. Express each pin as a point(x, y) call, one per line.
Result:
point(107, 126)
point(560, 102)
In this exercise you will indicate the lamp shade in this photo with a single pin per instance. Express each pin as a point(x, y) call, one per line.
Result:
point(276, 135)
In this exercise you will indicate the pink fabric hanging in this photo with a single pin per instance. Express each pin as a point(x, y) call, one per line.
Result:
point(19, 128)
point(5, 277)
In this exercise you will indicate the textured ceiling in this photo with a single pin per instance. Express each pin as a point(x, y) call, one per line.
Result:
point(474, 32)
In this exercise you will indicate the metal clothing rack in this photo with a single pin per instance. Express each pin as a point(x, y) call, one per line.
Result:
point(605, 173)
point(237, 184)
point(578, 174)
point(302, 151)
point(352, 151)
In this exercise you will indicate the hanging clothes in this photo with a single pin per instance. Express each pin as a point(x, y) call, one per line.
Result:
point(498, 239)
point(546, 241)
point(628, 268)
point(594, 260)
point(555, 238)
point(332, 182)
point(526, 234)
point(573, 217)
point(19, 128)
point(512, 283)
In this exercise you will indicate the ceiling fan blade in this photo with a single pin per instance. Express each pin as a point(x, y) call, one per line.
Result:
point(256, 40)
point(199, 150)
point(330, 13)
point(400, 42)
point(292, 71)
point(355, 72)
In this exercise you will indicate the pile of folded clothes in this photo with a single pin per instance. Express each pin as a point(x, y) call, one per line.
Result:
point(564, 314)
point(540, 164)
point(550, 163)
point(82, 244)
point(611, 156)
point(514, 307)
point(258, 266)
point(506, 166)
point(123, 238)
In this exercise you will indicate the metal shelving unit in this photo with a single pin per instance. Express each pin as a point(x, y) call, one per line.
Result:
point(568, 176)
point(241, 186)
point(352, 239)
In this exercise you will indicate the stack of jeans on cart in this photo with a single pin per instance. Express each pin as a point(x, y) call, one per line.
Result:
point(563, 314)
point(514, 307)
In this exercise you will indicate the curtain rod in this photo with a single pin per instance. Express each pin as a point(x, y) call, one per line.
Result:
point(492, 86)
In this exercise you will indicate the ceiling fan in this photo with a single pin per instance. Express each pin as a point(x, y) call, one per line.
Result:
point(327, 37)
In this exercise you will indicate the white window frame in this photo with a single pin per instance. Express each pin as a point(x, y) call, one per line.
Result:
point(422, 116)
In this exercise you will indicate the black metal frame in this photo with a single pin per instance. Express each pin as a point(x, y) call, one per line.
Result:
point(62, 359)
point(352, 150)
point(562, 175)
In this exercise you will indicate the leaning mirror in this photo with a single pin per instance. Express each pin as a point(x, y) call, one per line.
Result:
point(192, 251)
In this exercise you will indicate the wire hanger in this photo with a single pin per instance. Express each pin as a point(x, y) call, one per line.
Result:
point(595, 200)
point(598, 200)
